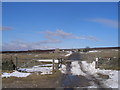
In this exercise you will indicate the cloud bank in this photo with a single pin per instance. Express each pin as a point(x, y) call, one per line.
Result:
point(21, 45)
point(51, 37)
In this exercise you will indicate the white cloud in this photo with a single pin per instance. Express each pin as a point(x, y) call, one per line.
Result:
point(57, 33)
point(92, 38)
point(6, 28)
point(65, 35)
point(108, 22)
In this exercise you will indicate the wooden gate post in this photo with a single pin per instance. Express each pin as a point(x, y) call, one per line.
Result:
point(53, 67)
point(60, 62)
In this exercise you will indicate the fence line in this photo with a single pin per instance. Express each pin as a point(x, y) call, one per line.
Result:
point(55, 66)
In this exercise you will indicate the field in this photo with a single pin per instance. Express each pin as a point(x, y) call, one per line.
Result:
point(39, 78)
point(108, 59)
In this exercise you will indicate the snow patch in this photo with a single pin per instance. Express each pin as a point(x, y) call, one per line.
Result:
point(43, 65)
point(89, 67)
point(95, 51)
point(112, 82)
point(36, 55)
point(76, 70)
point(47, 60)
point(68, 54)
point(116, 50)
point(15, 74)
point(43, 70)
point(63, 69)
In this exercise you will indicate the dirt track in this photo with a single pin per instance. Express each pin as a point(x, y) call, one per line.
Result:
point(70, 80)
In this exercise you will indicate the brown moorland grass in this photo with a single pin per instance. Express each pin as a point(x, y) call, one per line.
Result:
point(33, 81)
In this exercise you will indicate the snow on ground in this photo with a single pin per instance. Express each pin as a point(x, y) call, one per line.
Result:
point(89, 67)
point(116, 50)
point(43, 65)
point(113, 81)
point(113, 74)
point(76, 70)
point(69, 53)
point(36, 55)
point(47, 60)
point(95, 51)
point(63, 69)
point(43, 70)
point(29, 54)
point(93, 85)
point(15, 74)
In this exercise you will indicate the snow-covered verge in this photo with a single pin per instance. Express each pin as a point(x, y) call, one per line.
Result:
point(41, 69)
point(112, 82)
point(15, 74)
point(69, 53)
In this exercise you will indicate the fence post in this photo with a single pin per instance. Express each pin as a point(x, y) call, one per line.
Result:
point(34, 62)
point(60, 62)
point(97, 59)
point(11, 58)
point(57, 64)
point(16, 63)
point(53, 67)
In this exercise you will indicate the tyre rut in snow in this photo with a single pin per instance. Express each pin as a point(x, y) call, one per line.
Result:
point(70, 81)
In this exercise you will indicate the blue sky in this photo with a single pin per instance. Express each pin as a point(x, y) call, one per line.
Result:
point(59, 25)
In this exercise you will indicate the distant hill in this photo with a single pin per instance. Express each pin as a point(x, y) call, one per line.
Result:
point(52, 50)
